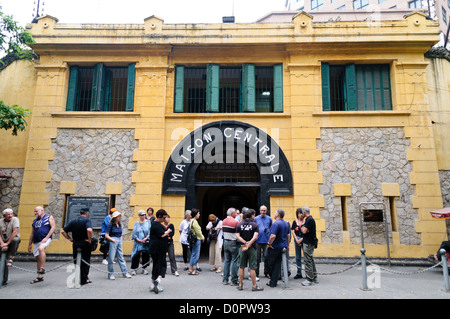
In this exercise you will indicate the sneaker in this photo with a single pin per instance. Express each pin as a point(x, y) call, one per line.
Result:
point(104, 262)
point(111, 278)
point(127, 275)
point(152, 287)
point(176, 274)
point(133, 273)
point(307, 283)
point(144, 272)
point(298, 276)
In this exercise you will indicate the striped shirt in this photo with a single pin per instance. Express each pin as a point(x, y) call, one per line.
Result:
point(229, 225)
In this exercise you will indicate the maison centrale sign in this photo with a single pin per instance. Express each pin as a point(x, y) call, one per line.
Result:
point(227, 142)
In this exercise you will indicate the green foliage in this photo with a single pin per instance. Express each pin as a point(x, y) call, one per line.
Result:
point(14, 39)
point(13, 117)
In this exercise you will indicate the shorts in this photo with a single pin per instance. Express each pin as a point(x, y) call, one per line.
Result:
point(248, 256)
point(36, 247)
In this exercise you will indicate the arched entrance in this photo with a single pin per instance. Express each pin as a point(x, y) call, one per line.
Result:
point(227, 164)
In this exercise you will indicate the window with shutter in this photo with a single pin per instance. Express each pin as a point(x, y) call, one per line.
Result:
point(228, 89)
point(356, 87)
point(101, 88)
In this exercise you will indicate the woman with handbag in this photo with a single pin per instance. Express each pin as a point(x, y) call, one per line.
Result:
point(215, 240)
point(141, 248)
point(195, 246)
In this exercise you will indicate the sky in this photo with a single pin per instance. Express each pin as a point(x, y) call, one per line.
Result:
point(135, 11)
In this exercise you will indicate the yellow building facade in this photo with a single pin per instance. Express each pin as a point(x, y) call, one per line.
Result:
point(327, 115)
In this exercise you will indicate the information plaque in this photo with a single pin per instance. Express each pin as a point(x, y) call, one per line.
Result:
point(98, 209)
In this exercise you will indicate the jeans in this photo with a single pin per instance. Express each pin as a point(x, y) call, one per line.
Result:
point(231, 254)
point(195, 253)
point(298, 258)
point(115, 250)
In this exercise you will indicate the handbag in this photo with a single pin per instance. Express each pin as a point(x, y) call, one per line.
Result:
point(94, 243)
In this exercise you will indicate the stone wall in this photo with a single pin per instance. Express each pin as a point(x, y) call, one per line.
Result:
point(91, 158)
point(444, 176)
point(365, 158)
point(10, 189)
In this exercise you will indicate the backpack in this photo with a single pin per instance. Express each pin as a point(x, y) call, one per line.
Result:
point(191, 237)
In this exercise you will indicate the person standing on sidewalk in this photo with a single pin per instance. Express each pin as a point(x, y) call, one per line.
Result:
point(246, 234)
point(43, 228)
point(9, 239)
point(158, 248)
point(81, 229)
point(230, 248)
point(308, 230)
point(195, 227)
point(264, 223)
point(114, 236)
point(279, 239)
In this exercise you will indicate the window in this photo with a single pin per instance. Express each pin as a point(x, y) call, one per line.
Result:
point(316, 4)
point(415, 4)
point(101, 88)
point(341, 7)
point(360, 4)
point(356, 87)
point(228, 89)
point(444, 15)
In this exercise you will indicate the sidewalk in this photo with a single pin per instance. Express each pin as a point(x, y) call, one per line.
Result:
point(335, 282)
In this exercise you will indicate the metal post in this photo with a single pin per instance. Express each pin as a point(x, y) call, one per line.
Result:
point(78, 270)
point(285, 268)
point(364, 269)
point(2, 266)
point(445, 269)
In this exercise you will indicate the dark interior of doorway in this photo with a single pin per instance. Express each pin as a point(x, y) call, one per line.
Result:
point(217, 199)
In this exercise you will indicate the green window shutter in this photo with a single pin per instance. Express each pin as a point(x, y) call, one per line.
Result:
point(212, 88)
point(98, 86)
point(179, 89)
point(384, 99)
point(350, 87)
point(248, 88)
point(278, 88)
point(131, 81)
point(326, 95)
point(72, 92)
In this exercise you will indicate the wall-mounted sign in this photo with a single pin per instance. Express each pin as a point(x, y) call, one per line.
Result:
point(98, 209)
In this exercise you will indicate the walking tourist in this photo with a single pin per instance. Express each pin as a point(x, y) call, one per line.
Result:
point(195, 254)
point(158, 249)
point(184, 229)
point(264, 223)
point(170, 247)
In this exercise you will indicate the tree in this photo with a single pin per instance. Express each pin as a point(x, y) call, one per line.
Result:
point(14, 41)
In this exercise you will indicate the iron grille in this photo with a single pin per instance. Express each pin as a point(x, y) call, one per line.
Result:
point(84, 94)
point(230, 89)
point(195, 90)
point(117, 88)
point(219, 173)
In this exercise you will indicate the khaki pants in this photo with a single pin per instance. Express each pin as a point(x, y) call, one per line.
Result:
point(310, 266)
point(215, 253)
